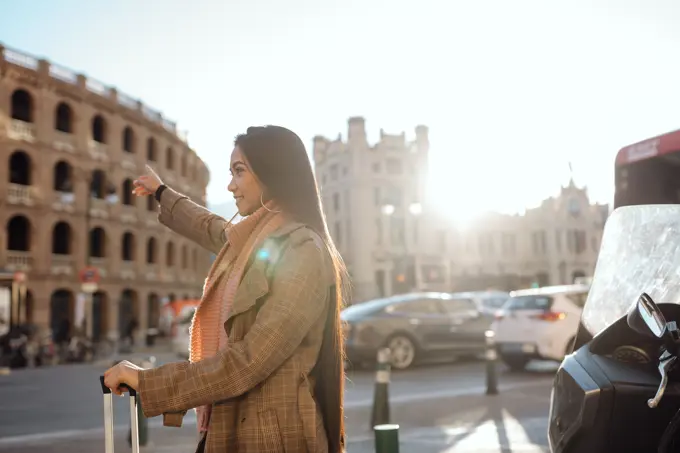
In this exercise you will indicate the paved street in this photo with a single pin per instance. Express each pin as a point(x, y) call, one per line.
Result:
point(438, 407)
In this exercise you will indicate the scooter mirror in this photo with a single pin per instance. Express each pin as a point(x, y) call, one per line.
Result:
point(645, 317)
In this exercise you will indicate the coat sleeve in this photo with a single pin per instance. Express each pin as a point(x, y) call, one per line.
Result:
point(192, 221)
point(298, 297)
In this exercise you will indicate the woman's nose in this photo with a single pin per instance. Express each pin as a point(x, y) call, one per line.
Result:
point(231, 187)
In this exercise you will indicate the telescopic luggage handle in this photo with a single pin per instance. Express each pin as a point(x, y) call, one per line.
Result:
point(108, 417)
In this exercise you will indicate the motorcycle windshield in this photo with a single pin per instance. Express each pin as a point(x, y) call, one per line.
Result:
point(640, 252)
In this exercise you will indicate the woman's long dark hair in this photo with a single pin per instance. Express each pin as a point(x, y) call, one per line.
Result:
point(278, 158)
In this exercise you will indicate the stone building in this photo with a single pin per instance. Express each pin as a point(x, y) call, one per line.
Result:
point(552, 244)
point(393, 241)
point(71, 147)
point(372, 199)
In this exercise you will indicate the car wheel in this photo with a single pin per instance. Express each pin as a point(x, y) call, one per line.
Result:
point(402, 352)
point(515, 363)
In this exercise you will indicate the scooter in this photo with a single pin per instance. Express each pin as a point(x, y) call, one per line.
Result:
point(620, 392)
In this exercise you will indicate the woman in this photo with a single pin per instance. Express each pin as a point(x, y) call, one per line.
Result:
point(266, 359)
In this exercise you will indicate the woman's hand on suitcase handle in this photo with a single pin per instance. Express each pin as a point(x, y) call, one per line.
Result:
point(122, 373)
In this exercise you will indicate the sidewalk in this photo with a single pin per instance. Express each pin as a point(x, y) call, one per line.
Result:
point(514, 421)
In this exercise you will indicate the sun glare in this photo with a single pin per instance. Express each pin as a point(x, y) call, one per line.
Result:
point(463, 204)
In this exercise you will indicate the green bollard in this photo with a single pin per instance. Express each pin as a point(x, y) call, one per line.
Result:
point(386, 438)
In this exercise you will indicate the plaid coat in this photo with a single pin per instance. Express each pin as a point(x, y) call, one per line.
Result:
point(260, 385)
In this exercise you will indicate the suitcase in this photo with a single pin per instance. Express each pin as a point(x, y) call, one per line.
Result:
point(108, 417)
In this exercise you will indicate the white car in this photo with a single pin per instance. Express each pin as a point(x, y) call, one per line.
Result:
point(538, 323)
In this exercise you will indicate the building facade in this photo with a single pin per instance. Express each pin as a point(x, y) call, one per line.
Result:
point(72, 147)
point(373, 199)
point(552, 244)
point(394, 241)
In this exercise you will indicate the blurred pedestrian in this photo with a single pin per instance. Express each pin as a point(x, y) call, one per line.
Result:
point(266, 356)
point(130, 330)
point(62, 338)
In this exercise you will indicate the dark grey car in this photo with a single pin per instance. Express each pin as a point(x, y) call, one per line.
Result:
point(414, 326)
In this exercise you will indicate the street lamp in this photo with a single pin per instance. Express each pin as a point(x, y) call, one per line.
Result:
point(414, 209)
point(387, 209)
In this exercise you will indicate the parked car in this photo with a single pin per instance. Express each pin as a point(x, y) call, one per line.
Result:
point(414, 326)
point(487, 302)
point(539, 323)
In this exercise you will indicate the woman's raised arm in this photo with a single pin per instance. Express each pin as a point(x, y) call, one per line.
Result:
point(182, 215)
point(192, 220)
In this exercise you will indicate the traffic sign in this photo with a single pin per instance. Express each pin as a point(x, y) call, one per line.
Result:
point(89, 287)
point(20, 277)
point(89, 275)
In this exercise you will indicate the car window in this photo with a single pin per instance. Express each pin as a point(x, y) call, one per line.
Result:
point(529, 303)
point(494, 302)
point(365, 308)
point(579, 299)
point(416, 307)
point(459, 305)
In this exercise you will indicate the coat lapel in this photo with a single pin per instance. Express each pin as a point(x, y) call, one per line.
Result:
point(255, 282)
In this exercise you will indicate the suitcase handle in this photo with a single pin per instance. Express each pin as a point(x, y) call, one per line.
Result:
point(106, 390)
point(108, 417)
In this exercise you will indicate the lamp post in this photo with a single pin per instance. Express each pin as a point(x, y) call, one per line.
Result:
point(415, 209)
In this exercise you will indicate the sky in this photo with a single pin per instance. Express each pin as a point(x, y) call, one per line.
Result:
point(512, 91)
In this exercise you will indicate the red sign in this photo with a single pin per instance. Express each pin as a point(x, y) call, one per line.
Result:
point(652, 147)
point(19, 277)
point(89, 275)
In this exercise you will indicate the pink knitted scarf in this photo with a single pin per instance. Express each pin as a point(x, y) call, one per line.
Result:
point(207, 331)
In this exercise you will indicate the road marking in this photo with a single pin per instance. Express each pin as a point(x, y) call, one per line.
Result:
point(190, 419)
point(507, 434)
point(444, 393)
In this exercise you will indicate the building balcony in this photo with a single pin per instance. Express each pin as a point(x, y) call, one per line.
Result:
point(64, 141)
point(98, 151)
point(101, 264)
point(63, 265)
point(128, 214)
point(19, 261)
point(154, 166)
point(186, 277)
point(22, 131)
point(128, 162)
point(151, 272)
point(168, 275)
point(127, 270)
point(99, 208)
point(64, 202)
point(169, 178)
point(22, 195)
point(184, 187)
point(151, 220)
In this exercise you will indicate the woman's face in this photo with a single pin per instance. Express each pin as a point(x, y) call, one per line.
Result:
point(244, 185)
